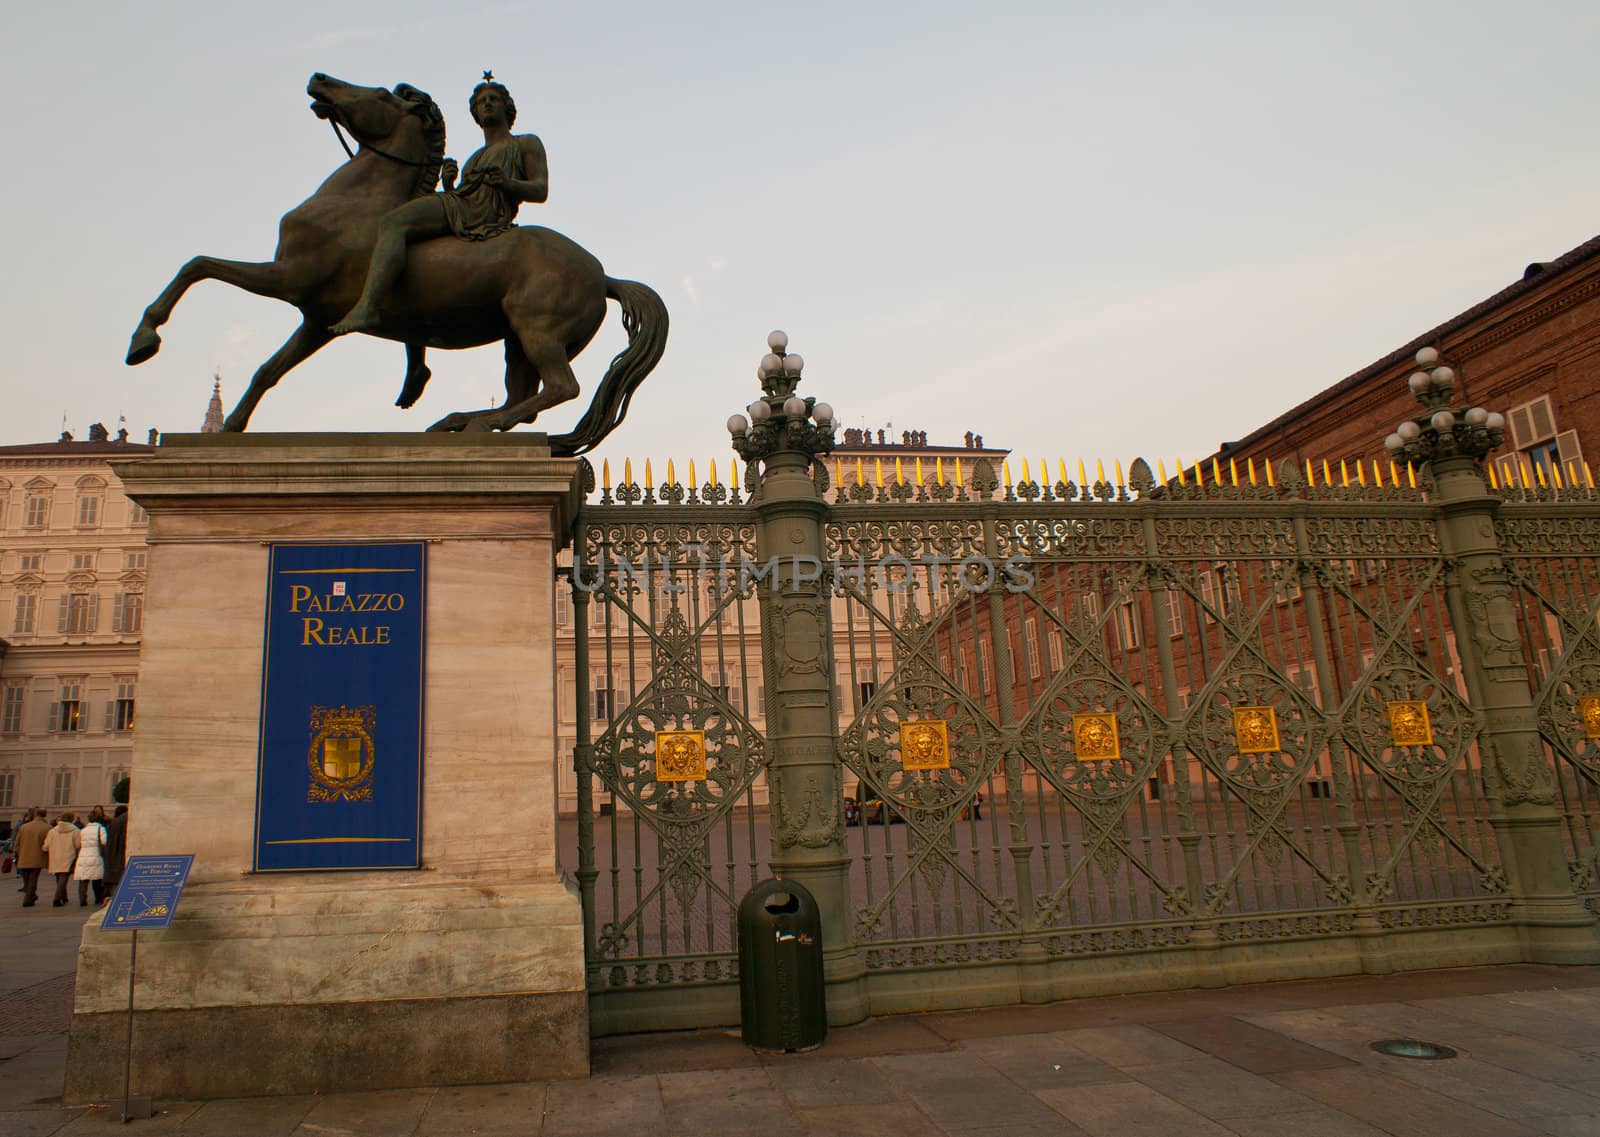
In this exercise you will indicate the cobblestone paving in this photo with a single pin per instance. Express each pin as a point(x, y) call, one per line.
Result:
point(44, 1008)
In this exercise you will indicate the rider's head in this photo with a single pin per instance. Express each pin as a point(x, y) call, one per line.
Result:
point(498, 88)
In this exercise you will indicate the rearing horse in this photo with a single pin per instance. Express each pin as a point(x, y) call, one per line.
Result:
point(531, 287)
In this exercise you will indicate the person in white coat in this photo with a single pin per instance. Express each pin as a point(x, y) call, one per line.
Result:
point(91, 868)
point(61, 846)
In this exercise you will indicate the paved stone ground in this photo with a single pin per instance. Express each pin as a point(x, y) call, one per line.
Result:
point(1257, 1061)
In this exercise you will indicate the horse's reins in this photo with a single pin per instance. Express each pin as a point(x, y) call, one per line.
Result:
point(333, 121)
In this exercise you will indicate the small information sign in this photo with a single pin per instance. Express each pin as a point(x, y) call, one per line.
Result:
point(148, 895)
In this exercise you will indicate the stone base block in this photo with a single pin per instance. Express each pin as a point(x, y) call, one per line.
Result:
point(221, 1052)
point(336, 982)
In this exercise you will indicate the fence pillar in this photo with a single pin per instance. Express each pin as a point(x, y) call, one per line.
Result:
point(1555, 926)
point(804, 787)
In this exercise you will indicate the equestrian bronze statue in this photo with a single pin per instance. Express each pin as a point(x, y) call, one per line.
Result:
point(376, 250)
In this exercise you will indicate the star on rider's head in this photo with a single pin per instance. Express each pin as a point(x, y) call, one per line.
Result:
point(488, 77)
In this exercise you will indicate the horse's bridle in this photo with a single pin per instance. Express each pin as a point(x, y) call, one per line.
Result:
point(333, 121)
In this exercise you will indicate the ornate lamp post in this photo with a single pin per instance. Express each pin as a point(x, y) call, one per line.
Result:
point(780, 440)
point(781, 421)
point(1441, 430)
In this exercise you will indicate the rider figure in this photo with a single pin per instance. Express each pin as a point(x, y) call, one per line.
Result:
point(509, 170)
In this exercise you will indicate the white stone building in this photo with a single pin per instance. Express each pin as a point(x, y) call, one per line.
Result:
point(72, 584)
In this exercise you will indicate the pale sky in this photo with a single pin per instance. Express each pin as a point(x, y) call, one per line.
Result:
point(1098, 230)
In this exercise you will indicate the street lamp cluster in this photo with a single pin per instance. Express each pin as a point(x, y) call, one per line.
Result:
point(780, 419)
point(1443, 429)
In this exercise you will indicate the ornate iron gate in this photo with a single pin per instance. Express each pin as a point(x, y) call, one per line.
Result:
point(670, 765)
point(1551, 537)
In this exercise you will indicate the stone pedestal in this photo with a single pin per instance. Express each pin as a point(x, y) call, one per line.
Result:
point(469, 970)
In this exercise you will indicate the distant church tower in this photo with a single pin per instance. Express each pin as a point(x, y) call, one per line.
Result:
point(213, 423)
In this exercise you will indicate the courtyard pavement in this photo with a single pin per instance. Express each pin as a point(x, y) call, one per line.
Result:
point(1255, 1061)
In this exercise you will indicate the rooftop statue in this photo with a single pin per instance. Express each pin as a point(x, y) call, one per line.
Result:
point(377, 250)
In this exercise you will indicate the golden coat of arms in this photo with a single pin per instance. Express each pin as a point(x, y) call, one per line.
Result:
point(1255, 729)
point(1409, 724)
point(1094, 737)
point(680, 755)
point(924, 745)
point(342, 753)
point(1589, 712)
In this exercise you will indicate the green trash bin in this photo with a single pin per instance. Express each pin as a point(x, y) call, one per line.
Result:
point(781, 999)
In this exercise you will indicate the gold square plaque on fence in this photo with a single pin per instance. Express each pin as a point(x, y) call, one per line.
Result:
point(1094, 737)
point(680, 755)
point(1589, 712)
point(1255, 729)
point(1409, 724)
point(924, 745)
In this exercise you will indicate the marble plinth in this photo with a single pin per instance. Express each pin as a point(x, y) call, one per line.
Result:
point(469, 970)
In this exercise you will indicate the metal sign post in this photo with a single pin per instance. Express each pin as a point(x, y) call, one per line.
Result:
point(147, 897)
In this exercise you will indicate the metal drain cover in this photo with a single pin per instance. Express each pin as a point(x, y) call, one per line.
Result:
point(1412, 1048)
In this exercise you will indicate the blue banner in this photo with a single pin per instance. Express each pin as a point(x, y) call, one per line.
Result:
point(148, 894)
point(340, 777)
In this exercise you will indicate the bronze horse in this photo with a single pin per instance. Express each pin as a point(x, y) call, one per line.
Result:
point(531, 287)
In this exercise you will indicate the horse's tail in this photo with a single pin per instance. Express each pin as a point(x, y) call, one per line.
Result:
point(644, 317)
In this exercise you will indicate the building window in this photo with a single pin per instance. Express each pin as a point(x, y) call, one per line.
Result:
point(8, 790)
point(866, 684)
point(80, 614)
point(1053, 647)
point(563, 609)
point(82, 562)
point(1174, 613)
point(111, 782)
point(36, 515)
point(1219, 589)
point(133, 560)
point(127, 615)
point(30, 562)
point(604, 698)
point(138, 514)
point(61, 787)
point(27, 613)
point(1540, 445)
point(122, 708)
point(11, 709)
point(984, 663)
point(1030, 645)
point(1128, 625)
point(67, 714)
point(88, 511)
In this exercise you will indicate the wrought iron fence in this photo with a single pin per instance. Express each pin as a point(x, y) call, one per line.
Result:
point(1075, 723)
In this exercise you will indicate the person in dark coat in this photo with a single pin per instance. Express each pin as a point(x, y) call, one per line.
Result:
point(116, 850)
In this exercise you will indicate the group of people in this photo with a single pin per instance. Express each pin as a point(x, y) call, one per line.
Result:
point(93, 852)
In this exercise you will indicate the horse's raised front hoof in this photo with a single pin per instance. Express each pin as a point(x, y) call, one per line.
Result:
point(144, 344)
